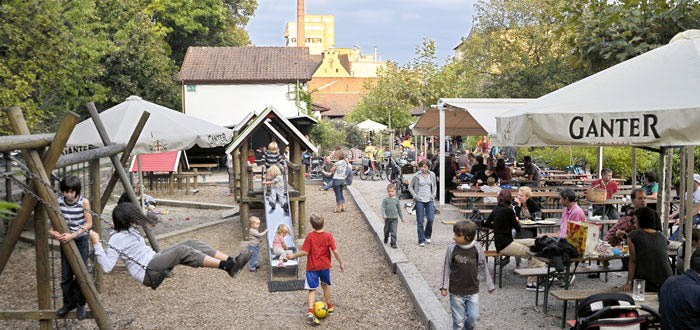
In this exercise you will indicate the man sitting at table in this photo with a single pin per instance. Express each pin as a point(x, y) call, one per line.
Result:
point(696, 210)
point(571, 212)
point(481, 177)
point(679, 298)
point(619, 231)
point(531, 172)
point(606, 182)
point(479, 166)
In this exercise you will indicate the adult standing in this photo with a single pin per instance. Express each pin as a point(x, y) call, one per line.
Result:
point(648, 253)
point(339, 176)
point(483, 145)
point(229, 169)
point(369, 150)
point(355, 155)
point(463, 160)
point(606, 182)
point(679, 298)
point(503, 221)
point(423, 188)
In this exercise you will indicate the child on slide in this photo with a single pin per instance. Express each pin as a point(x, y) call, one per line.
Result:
point(279, 248)
point(194, 253)
point(277, 193)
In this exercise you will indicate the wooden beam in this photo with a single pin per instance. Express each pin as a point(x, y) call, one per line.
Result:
point(50, 157)
point(245, 206)
point(88, 155)
point(688, 220)
point(33, 141)
point(95, 185)
point(119, 169)
point(42, 314)
point(70, 250)
point(43, 263)
point(125, 156)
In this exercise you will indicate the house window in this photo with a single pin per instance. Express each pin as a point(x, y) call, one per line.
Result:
point(191, 88)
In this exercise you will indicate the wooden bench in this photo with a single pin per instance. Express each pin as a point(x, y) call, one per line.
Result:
point(541, 272)
point(651, 300)
point(499, 261)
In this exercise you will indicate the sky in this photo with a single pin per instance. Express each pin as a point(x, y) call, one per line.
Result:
point(395, 27)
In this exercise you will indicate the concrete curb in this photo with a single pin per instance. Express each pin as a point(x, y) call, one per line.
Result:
point(429, 308)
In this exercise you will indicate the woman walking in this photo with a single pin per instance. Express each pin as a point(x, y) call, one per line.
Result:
point(339, 176)
point(423, 190)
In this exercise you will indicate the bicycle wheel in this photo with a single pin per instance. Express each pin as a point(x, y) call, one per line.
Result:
point(363, 174)
point(376, 175)
point(384, 173)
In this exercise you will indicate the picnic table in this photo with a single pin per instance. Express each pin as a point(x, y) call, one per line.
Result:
point(606, 204)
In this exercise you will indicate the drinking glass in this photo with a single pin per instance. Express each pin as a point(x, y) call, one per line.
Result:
point(638, 290)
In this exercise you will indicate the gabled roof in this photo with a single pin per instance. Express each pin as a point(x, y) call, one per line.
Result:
point(340, 104)
point(160, 162)
point(247, 64)
point(277, 118)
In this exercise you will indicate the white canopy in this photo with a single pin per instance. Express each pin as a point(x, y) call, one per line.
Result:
point(465, 117)
point(650, 100)
point(165, 130)
point(370, 125)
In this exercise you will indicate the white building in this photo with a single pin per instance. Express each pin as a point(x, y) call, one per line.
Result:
point(223, 84)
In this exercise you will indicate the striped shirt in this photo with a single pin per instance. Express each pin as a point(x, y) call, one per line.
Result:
point(270, 159)
point(74, 214)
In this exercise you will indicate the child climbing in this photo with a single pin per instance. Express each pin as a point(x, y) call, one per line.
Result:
point(272, 156)
point(279, 248)
point(75, 209)
point(277, 192)
point(147, 266)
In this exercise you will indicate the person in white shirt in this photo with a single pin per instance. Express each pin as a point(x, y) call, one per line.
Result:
point(147, 266)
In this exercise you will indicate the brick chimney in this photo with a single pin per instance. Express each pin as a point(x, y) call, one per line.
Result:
point(301, 36)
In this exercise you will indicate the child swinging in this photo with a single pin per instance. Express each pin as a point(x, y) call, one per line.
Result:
point(127, 244)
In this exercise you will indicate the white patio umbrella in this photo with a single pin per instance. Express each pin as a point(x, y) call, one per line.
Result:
point(165, 130)
point(650, 100)
point(370, 125)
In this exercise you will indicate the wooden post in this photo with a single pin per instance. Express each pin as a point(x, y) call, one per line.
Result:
point(8, 183)
point(97, 208)
point(295, 155)
point(688, 220)
point(43, 263)
point(50, 157)
point(244, 205)
point(301, 232)
point(682, 185)
point(33, 141)
point(70, 250)
point(634, 167)
point(142, 194)
point(667, 199)
point(236, 174)
point(88, 155)
point(119, 168)
point(171, 183)
point(125, 156)
point(194, 180)
point(661, 196)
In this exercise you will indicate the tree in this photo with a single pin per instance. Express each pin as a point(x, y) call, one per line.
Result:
point(50, 62)
point(202, 23)
point(602, 33)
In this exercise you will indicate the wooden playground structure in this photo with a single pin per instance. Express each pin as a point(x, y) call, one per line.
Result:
point(248, 191)
point(40, 201)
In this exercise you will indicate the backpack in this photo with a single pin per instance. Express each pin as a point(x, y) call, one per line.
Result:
point(476, 217)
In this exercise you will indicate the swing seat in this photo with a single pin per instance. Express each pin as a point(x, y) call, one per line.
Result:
point(155, 283)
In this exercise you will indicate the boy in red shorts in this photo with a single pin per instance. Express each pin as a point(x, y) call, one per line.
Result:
point(318, 246)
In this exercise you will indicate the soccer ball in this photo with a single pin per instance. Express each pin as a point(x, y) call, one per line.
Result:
point(320, 309)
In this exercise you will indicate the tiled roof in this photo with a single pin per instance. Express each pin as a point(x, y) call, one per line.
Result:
point(340, 104)
point(247, 64)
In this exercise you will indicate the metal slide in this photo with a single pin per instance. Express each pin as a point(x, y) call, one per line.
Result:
point(273, 218)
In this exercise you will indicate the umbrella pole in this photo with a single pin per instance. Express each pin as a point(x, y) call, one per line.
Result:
point(689, 180)
point(442, 156)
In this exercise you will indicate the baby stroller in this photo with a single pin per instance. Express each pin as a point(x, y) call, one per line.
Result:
point(407, 171)
point(608, 311)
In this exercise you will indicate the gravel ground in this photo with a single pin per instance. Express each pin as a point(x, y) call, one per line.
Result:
point(208, 298)
point(497, 310)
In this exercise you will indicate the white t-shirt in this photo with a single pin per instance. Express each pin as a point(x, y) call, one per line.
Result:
point(696, 197)
point(339, 170)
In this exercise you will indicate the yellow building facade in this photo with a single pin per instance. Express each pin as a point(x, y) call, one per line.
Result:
point(319, 31)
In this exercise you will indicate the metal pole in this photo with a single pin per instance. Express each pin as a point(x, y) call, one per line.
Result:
point(668, 197)
point(634, 167)
point(442, 155)
point(600, 161)
point(690, 170)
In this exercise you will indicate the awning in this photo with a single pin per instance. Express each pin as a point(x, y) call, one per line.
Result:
point(465, 117)
point(160, 162)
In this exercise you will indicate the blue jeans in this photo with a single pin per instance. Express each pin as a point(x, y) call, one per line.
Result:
point(676, 234)
point(329, 182)
point(72, 295)
point(253, 263)
point(465, 311)
point(425, 210)
point(338, 185)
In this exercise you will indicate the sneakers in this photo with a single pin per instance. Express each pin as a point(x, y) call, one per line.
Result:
point(272, 204)
point(61, 312)
point(239, 262)
point(285, 207)
point(393, 246)
point(312, 318)
point(421, 244)
point(427, 240)
point(386, 240)
point(331, 311)
point(82, 313)
point(533, 287)
point(571, 281)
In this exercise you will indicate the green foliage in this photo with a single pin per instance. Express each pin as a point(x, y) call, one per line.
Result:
point(353, 135)
point(327, 136)
point(202, 23)
point(302, 99)
point(601, 33)
point(6, 209)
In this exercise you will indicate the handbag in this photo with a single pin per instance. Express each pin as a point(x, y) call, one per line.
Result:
point(476, 217)
point(584, 237)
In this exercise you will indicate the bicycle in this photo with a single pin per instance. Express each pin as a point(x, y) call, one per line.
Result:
point(370, 170)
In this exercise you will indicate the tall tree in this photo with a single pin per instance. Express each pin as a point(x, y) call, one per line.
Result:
point(603, 33)
point(202, 23)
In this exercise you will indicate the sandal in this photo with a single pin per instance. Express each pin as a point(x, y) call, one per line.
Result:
point(336, 211)
point(342, 210)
